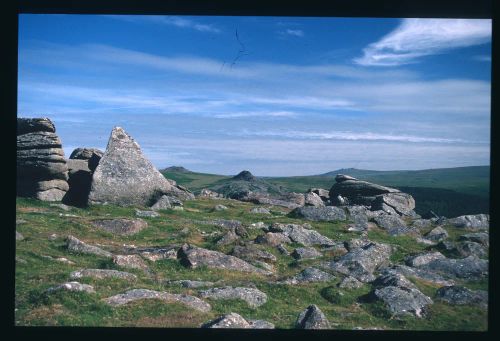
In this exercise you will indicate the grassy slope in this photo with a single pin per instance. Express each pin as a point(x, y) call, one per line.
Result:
point(34, 307)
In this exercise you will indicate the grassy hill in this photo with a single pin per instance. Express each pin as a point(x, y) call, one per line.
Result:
point(447, 191)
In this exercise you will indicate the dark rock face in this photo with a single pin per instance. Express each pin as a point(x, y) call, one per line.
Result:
point(125, 177)
point(42, 172)
point(461, 295)
point(312, 318)
point(252, 296)
point(361, 262)
point(120, 226)
point(79, 181)
point(400, 296)
point(91, 155)
point(193, 257)
point(351, 191)
point(472, 222)
point(328, 213)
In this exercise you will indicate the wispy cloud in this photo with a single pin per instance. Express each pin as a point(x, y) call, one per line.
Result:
point(256, 114)
point(168, 20)
point(415, 38)
point(295, 33)
point(482, 58)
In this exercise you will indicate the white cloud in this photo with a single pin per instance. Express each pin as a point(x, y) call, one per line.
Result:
point(255, 114)
point(295, 33)
point(482, 58)
point(415, 38)
point(168, 20)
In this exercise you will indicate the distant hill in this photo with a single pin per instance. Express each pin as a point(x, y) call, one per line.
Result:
point(177, 169)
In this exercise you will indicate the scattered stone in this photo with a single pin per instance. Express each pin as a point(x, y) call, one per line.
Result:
point(394, 225)
point(120, 226)
point(225, 223)
point(464, 249)
point(20, 221)
point(258, 225)
point(356, 243)
point(437, 234)
point(20, 260)
point(228, 238)
point(401, 203)
point(423, 258)
point(75, 245)
point(163, 203)
point(64, 260)
point(53, 237)
point(72, 286)
point(253, 297)
point(460, 296)
point(260, 210)
point(186, 283)
point(125, 177)
point(361, 262)
point(350, 283)
point(306, 253)
point(130, 261)
point(312, 318)
point(19, 236)
point(102, 274)
point(478, 237)
point(260, 324)
point(241, 231)
point(420, 274)
point(472, 222)
point(231, 320)
point(470, 268)
point(281, 248)
point(250, 252)
point(141, 294)
point(206, 193)
point(308, 275)
point(313, 199)
point(302, 235)
point(147, 214)
point(425, 241)
point(220, 208)
point(158, 253)
point(328, 213)
point(61, 206)
point(192, 256)
point(273, 239)
point(421, 223)
point(358, 216)
point(323, 193)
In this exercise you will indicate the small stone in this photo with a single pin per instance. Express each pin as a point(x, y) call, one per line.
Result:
point(220, 208)
point(102, 274)
point(72, 286)
point(19, 236)
point(253, 297)
point(308, 275)
point(272, 239)
point(437, 234)
point(350, 283)
point(147, 214)
point(260, 210)
point(423, 258)
point(462, 296)
point(260, 324)
point(312, 318)
point(120, 226)
point(186, 283)
point(231, 320)
point(258, 225)
point(129, 261)
point(53, 237)
point(281, 248)
point(75, 245)
point(306, 253)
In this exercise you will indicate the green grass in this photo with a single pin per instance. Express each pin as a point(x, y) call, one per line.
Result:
point(34, 307)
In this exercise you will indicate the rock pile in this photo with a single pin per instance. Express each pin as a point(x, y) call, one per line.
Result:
point(42, 172)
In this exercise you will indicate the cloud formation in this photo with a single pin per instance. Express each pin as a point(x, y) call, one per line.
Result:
point(415, 38)
point(169, 20)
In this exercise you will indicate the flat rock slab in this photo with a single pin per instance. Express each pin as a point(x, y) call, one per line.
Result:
point(308, 275)
point(328, 213)
point(306, 253)
point(423, 258)
point(130, 261)
point(77, 246)
point(312, 318)
point(141, 294)
point(361, 262)
point(458, 295)
point(72, 286)
point(470, 268)
point(252, 296)
point(102, 274)
point(192, 256)
point(302, 235)
point(120, 226)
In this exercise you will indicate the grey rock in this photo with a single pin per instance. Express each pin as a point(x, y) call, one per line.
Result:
point(401, 203)
point(323, 193)
point(61, 206)
point(458, 295)
point(158, 253)
point(312, 318)
point(130, 261)
point(228, 238)
point(478, 237)
point(253, 297)
point(302, 235)
point(313, 199)
point(308, 275)
point(46, 185)
point(206, 193)
point(231, 320)
point(423, 258)
point(141, 294)
point(162, 203)
point(257, 225)
point(19, 236)
point(251, 252)
point(403, 301)
point(306, 253)
point(77, 246)
point(394, 225)
point(220, 208)
point(350, 283)
point(472, 222)
point(260, 210)
point(147, 214)
point(72, 286)
point(421, 274)
point(192, 256)
point(186, 283)
point(393, 279)
point(361, 262)
point(328, 213)
point(464, 249)
point(359, 192)
point(356, 243)
point(273, 239)
point(91, 155)
point(225, 223)
point(421, 223)
point(125, 177)
point(102, 274)
point(470, 268)
point(53, 194)
point(120, 226)
point(291, 200)
point(358, 216)
point(437, 234)
point(343, 177)
point(282, 249)
point(30, 125)
point(260, 324)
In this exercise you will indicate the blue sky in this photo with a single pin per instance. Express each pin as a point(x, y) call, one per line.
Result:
point(274, 95)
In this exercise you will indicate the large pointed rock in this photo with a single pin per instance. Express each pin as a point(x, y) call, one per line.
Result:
point(125, 176)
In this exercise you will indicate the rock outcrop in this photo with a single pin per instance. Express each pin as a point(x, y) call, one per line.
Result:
point(473, 222)
point(126, 177)
point(351, 191)
point(42, 171)
point(312, 318)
